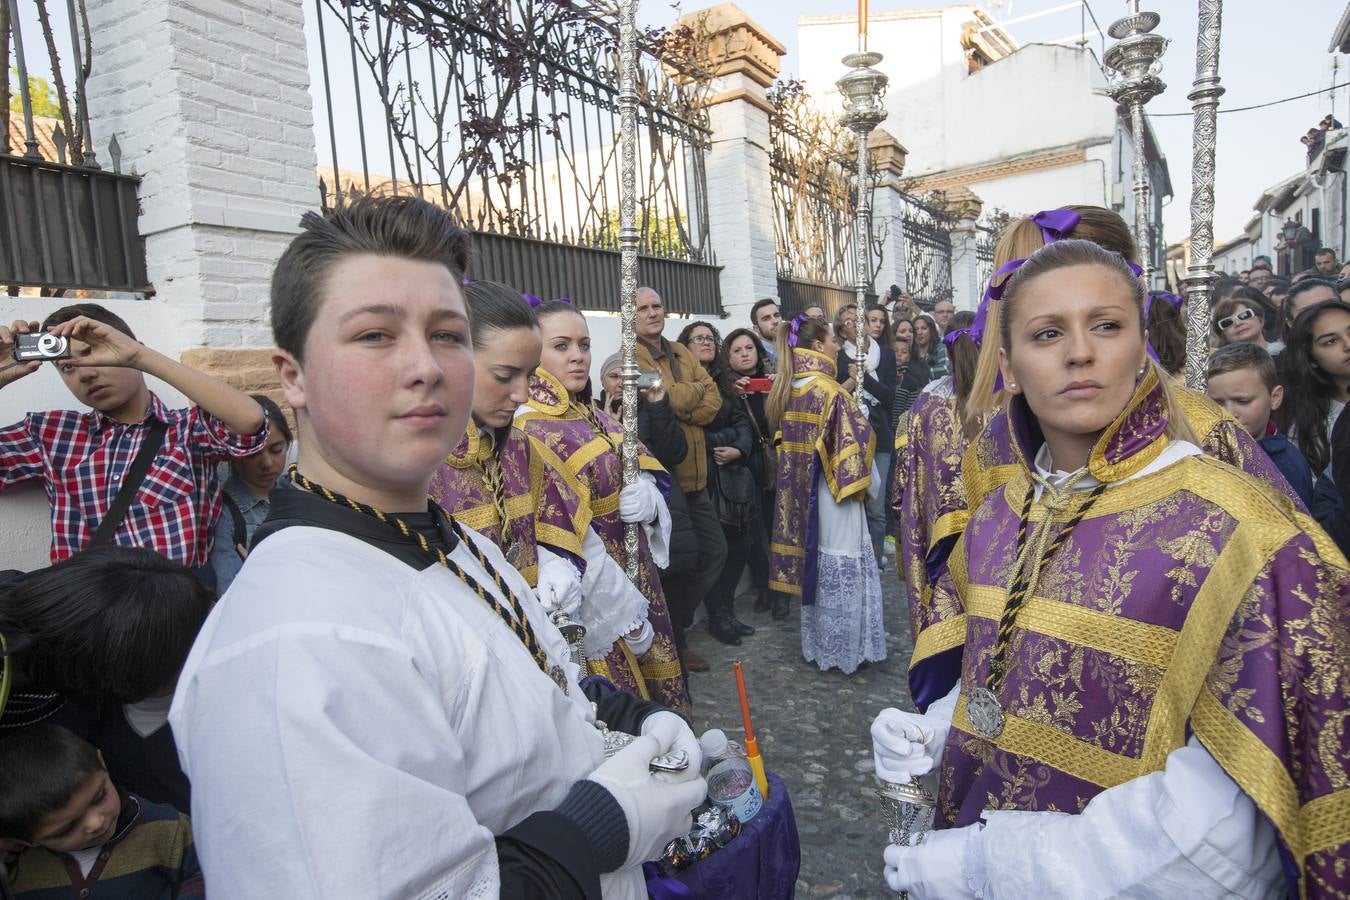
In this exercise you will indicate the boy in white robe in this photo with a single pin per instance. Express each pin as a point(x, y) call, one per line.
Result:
point(379, 707)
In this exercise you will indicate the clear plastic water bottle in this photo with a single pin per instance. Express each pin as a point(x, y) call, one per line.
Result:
point(731, 784)
point(716, 748)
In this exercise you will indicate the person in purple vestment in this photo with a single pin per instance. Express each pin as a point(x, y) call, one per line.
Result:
point(570, 434)
point(991, 459)
point(493, 483)
point(821, 551)
point(1154, 683)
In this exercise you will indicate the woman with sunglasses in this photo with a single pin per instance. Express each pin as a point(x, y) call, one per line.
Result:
point(1240, 318)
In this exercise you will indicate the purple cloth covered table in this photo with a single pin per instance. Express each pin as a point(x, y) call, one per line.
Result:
point(760, 864)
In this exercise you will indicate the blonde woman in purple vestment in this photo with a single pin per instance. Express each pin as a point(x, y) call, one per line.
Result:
point(1154, 686)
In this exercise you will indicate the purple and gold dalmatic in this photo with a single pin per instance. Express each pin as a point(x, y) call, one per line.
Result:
point(822, 432)
point(585, 442)
point(928, 500)
point(1190, 600)
point(991, 460)
point(540, 505)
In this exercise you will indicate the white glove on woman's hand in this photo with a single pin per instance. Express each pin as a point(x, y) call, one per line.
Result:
point(559, 585)
point(657, 807)
point(906, 745)
point(637, 502)
point(666, 725)
point(639, 638)
point(933, 870)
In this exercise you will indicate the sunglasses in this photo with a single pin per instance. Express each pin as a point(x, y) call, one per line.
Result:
point(1227, 322)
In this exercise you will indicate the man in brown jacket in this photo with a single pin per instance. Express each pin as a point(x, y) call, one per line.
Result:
point(695, 399)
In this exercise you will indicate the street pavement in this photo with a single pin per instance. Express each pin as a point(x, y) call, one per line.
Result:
point(812, 729)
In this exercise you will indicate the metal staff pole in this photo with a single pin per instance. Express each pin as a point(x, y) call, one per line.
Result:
point(862, 90)
point(1135, 61)
point(628, 249)
point(1200, 277)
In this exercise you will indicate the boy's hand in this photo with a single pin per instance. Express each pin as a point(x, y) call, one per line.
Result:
point(11, 371)
point(107, 345)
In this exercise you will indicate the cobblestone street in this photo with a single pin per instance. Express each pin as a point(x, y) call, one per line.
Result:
point(812, 728)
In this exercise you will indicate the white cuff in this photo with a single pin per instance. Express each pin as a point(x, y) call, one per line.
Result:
point(658, 531)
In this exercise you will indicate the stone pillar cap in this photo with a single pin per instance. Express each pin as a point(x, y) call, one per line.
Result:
point(888, 154)
point(734, 43)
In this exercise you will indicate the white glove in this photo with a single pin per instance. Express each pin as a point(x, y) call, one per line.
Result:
point(559, 585)
point(639, 638)
point(668, 726)
point(658, 807)
point(906, 745)
point(933, 869)
point(638, 501)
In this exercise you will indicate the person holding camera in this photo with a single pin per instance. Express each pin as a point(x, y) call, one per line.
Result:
point(131, 470)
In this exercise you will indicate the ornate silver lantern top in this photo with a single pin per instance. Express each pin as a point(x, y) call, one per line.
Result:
point(1135, 58)
point(862, 89)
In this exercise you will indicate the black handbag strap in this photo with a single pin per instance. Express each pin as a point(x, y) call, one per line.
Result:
point(239, 532)
point(131, 483)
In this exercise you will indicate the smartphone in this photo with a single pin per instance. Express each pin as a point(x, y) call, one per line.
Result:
point(759, 385)
point(648, 381)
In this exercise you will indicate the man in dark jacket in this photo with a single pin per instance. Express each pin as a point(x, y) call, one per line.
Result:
point(660, 432)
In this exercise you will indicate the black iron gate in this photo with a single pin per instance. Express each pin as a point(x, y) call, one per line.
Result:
point(506, 113)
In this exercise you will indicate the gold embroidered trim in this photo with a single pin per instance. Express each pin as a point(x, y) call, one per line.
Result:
point(1130, 639)
point(1198, 644)
point(1253, 766)
point(783, 587)
point(1326, 821)
point(947, 525)
point(633, 666)
point(787, 550)
point(605, 506)
point(662, 670)
point(938, 637)
point(1075, 758)
point(553, 536)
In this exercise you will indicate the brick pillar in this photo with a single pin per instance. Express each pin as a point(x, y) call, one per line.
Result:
point(965, 206)
point(210, 102)
point(744, 59)
point(888, 229)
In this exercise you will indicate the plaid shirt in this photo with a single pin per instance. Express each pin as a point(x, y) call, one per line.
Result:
point(81, 458)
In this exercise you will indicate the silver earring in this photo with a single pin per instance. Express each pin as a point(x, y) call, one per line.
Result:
point(1012, 385)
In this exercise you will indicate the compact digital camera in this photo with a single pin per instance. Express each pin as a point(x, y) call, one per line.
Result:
point(648, 380)
point(43, 347)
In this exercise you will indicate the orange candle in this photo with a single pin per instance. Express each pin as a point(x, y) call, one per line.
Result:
point(751, 745)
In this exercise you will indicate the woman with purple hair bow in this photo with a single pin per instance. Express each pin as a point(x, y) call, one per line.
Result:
point(989, 459)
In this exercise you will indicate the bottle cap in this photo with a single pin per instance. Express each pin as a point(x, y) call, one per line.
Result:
point(713, 742)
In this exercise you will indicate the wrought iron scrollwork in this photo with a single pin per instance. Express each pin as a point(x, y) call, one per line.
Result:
point(507, 111)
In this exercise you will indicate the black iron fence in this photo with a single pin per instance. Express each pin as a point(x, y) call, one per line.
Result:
point(986, 240)
point(813, 174)
point(66, 223)
point(928, 250)
point(507, 114)
point(796, 294)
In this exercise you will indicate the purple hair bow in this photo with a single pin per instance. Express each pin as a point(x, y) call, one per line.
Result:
point(951, 337)
point(793, 328)
point(535, 301)
point(1056, 224)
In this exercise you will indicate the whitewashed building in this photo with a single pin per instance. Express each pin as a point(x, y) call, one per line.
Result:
point(1023, 127)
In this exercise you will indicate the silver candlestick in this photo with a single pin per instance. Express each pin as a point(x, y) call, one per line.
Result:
point(1200, 276)
point(1135, 60)
point(907, 808)
point(628, 261)
point(574, 633)
point(862, 90)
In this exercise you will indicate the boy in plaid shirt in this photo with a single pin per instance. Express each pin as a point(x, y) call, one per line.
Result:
point(81, 458)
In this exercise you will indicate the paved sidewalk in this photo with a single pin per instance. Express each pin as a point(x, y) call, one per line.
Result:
point(812, 728)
